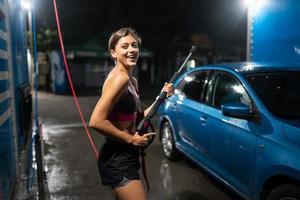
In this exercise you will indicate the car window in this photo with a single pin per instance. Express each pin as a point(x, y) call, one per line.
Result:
point(227, 89)
point(279, 91)
point(193, 86)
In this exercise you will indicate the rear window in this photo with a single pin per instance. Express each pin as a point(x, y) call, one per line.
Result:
point(279, 91)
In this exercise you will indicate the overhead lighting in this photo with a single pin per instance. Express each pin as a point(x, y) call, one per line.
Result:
point(255, 6)
point(26, 4)
point(249, 3)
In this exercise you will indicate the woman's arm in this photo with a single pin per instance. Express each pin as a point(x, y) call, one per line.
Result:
point(168, 88)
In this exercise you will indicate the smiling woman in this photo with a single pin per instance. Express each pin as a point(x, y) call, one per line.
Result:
point(115, 115)
point(125, 51)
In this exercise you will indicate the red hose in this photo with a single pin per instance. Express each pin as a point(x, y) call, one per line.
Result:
point(71, 83)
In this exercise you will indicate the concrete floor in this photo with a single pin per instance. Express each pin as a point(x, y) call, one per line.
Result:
point(71, 164)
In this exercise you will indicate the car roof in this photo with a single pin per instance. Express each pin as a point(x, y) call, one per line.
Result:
point(253, 67)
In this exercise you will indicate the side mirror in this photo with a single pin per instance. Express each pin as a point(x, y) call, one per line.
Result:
point(237, 110)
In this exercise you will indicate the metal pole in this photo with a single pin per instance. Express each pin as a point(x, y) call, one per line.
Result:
point(249, 36)
point(31, 61)
point(38, 140)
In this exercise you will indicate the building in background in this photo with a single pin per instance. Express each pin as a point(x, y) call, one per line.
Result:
point(89, 65)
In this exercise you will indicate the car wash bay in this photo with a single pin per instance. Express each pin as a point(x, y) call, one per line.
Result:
point(71, 165)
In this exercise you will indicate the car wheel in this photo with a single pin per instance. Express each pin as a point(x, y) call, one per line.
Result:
point(285, 192)
point(167, 138)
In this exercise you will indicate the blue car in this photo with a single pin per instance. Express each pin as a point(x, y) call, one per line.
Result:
point(241, 123)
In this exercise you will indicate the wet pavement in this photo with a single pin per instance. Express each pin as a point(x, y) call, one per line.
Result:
point(71, 164)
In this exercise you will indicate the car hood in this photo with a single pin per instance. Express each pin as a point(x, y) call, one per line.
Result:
point(292, 131)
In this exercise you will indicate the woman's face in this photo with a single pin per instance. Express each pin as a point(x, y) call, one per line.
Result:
point(126, 51)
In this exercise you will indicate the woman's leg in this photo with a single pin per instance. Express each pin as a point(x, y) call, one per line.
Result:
point(134, 190)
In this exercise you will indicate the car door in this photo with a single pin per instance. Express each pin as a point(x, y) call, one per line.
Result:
point(232, 140)
point(191, 128)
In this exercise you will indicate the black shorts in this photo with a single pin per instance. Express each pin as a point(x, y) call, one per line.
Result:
point(118, 161)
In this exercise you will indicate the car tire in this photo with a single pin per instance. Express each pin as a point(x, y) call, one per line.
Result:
point(285, 192)
point(168, 143)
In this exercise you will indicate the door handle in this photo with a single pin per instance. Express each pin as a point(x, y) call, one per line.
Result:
point(174, 105)
point(203, 119)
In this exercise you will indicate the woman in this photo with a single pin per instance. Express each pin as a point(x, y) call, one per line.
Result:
point(114, 116)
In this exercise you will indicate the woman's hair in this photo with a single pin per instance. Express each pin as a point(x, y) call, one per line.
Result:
point(115, 37)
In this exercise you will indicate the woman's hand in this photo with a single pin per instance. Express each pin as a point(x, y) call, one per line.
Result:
point(168, 88)
point(143, 140)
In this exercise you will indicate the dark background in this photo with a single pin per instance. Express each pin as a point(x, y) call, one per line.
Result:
point(165, 25)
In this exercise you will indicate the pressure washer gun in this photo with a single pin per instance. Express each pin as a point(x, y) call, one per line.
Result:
point(145, 123)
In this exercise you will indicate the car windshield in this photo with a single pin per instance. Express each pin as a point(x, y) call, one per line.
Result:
point(279, 91)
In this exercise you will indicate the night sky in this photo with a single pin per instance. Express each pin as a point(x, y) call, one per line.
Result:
point(159, 22)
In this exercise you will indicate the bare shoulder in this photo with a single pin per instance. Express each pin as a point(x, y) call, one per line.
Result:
point(116, 81)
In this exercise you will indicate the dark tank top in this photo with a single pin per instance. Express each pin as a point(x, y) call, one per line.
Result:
point(127, 105)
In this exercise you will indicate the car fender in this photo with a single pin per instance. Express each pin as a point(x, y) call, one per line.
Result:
point(167, 118)
point(271, 173)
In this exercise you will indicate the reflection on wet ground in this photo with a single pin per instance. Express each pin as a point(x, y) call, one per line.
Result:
point(165, 174)
point(71, 165)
